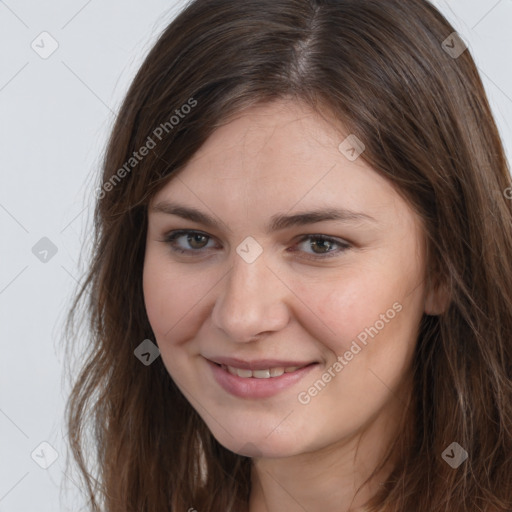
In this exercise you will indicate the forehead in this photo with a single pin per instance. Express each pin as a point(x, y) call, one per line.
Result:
point(278, 157)
point(270, 134)
point(282, 141)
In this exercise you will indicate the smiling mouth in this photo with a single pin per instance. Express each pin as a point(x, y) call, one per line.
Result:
point(258, 383)
point(267, 373)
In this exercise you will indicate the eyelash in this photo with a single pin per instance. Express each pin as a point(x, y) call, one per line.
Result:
point(170, 239)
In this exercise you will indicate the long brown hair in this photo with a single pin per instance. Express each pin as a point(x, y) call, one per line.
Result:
point(383, 69)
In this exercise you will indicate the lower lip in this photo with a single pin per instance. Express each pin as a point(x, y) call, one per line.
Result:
point(257, 388)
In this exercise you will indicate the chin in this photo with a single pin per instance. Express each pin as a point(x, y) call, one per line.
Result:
point(257, 446)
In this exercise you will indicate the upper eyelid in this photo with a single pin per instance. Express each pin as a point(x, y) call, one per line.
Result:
point(180, 232)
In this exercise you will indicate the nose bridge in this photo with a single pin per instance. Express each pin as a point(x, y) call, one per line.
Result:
point(250, 301)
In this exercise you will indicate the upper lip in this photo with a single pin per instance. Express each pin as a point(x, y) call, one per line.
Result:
point(258, 364)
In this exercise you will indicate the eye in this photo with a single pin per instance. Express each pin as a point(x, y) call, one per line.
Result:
point(324, 244)
point(196, 241)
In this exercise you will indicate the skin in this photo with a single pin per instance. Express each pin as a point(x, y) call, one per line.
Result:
point(284, 158)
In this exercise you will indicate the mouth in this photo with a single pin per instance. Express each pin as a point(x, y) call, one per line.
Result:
point(258, 383)
point(267, 373)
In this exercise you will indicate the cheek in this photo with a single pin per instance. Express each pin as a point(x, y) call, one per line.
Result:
point(168, 295)
point(347, 304)
point(175, 300)
point(160, 304)
point(375, 320)
point(167, 300)
point(379, 306)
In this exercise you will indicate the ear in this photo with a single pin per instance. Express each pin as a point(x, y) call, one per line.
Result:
point(437, 298)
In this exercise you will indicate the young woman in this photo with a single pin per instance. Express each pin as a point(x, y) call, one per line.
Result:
point(300, 296)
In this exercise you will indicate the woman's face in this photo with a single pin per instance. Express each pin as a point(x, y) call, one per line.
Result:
point(270, 280)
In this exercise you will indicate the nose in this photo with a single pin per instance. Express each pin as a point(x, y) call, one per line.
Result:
point(251, 301)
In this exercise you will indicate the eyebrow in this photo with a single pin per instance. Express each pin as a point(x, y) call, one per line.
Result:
point(277, 222)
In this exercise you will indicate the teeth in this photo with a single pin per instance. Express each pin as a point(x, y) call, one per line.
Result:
point(276, 372)
point(259, 374)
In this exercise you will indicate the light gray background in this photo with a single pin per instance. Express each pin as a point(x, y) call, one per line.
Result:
point(55, 116)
